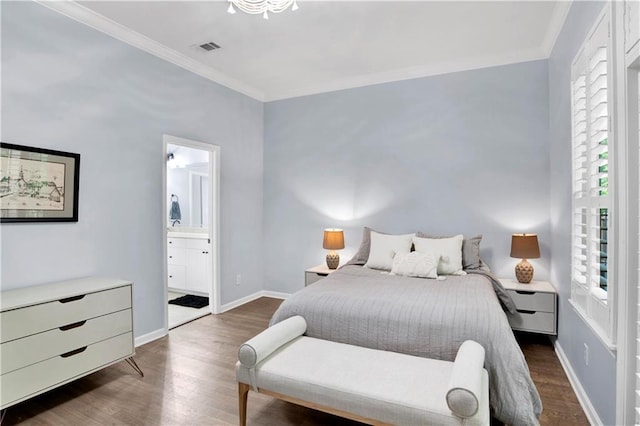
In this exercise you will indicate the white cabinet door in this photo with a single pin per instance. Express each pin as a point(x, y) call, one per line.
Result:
point(198, 270)
point(189, 264)
point(631, 23)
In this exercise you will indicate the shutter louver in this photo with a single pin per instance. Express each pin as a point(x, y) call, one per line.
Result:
point(580, 148)
point(580, 245)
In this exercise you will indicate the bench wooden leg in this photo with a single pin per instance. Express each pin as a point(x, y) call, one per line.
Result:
point(243, 391)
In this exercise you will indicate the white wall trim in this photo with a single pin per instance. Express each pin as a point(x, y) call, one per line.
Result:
point(560, 14)
point(275, 294)
point(150, 337)
point(584, 400)
point(103, 24)
point(462, 64)
point(239, 302)
point(250, 298)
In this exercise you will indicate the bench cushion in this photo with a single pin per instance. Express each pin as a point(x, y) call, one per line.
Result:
point(386, 386)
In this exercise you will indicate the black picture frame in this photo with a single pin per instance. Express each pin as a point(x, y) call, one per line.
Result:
point(38, 185)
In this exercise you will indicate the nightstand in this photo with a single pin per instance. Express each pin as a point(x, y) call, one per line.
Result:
point(316, 273)
point(536, 304)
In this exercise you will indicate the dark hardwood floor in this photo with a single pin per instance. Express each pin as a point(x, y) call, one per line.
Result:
point(190, 380)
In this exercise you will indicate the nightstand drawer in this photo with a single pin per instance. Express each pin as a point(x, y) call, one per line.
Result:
point(533, 301)
point(312, 277)
point(537, 322)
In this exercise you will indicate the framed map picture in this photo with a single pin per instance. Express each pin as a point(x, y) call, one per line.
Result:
point(38, 185)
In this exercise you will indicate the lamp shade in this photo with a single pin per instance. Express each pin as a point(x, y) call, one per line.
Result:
point(333, 239)
point(525, 246)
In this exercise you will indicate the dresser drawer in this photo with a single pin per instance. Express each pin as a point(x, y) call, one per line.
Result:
point(176, 242)
point(533, 301)
point(34, 319)
point(537, 322)
point(176, 256)
point(23, 352)
point(37, 378)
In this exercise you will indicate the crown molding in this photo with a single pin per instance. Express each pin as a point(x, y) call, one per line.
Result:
point(86, 16)
point(410, 73)
point(103, 24)
point(560, 14)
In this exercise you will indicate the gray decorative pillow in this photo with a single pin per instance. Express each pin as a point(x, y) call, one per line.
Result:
point(470, 250)
point(362, 255)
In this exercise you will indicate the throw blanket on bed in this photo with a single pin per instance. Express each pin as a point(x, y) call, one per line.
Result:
point(421, 317)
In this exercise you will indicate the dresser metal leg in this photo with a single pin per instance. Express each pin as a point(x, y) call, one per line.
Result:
point(134, 365)
point(2, 413)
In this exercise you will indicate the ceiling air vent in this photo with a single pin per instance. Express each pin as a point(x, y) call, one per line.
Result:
point(209, 46)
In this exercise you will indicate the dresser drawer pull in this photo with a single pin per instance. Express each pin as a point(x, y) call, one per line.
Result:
point(74, 352)
point(522, 311)
point(321, 274)
point(525, 292)
point(74, 325)
point(72, 299)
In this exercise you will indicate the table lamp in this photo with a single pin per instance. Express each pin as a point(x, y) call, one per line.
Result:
point(333, 240)
point(524, 246)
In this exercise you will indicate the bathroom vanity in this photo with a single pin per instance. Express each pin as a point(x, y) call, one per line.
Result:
point(189, 261)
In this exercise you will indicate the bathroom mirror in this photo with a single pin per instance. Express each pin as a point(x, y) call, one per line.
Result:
point(198, 197)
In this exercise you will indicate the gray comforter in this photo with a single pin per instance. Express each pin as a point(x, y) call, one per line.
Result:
point(422, 317)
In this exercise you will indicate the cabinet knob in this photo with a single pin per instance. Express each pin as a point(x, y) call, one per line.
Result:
point(170, 276)
point(170, 257)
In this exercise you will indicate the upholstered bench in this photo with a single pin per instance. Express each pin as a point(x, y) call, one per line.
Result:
point(368, 385)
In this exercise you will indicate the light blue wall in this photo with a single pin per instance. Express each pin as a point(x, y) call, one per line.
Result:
point(466, 152)
point(68, 87)
point(598, 378)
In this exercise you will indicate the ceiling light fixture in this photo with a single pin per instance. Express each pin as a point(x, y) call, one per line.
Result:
point(255, 7)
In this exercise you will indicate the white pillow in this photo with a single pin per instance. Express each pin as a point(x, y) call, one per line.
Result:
point(384, 247)
point(414, 264)
point(449, 250)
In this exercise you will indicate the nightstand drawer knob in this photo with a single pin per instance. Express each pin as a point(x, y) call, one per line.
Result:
point(525, 292)
point(321, 274)
point(522, 311)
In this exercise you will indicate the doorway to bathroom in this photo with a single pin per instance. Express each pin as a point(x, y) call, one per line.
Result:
point(190, 230)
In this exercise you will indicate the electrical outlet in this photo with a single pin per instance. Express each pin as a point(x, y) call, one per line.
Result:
point(586, 354)
point(238, 279)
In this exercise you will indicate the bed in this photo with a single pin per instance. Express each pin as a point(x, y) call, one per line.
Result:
point(423, 317)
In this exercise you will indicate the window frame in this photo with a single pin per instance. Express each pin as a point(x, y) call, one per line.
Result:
point(587, 300)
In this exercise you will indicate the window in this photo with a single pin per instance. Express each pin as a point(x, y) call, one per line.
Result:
point(591, 167)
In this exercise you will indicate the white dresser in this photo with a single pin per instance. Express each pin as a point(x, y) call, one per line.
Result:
point(54, 333)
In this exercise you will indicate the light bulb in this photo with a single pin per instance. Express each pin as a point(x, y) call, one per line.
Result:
point(231, 10)
point(295, 6)
point(265, 15)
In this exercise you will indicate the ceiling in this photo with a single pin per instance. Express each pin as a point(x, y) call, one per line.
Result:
point(329, 45)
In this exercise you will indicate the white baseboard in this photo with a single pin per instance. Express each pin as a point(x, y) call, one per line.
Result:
point(584, 400)
point(257, 295)
point(275, 294)
point(161, 332)
point(150, 337)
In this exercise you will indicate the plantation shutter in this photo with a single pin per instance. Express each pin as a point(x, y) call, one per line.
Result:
point(590, 176)
point(598, 102)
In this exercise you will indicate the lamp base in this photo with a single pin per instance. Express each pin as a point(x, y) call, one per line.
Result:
point(524, 272)
point(333, 260)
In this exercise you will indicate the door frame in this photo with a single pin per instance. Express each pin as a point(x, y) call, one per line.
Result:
point(214, 219)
